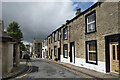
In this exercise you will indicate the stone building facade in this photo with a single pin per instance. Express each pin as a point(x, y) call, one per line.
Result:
point(7, 57)
point(37, 48)
point(91, 39)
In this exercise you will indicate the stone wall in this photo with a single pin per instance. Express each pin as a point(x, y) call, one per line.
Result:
point(65, 41)
point(35, 47)
point(119, 17)
point(7, 57)
point(106, 24)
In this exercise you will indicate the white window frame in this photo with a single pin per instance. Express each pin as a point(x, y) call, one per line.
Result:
point(55, 53)
point(65, 51)
point(65, 33)
point(89, 52)
point(88, 23)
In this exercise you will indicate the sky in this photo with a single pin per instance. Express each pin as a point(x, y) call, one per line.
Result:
point(39, 19)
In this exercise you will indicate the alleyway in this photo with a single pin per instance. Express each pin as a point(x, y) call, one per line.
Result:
point(42, 69)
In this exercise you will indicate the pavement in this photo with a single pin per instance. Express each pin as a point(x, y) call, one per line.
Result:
point(16, 70)
point(87, 73)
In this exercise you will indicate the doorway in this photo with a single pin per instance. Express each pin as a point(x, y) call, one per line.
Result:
point(115, 57)
point(72, 52)
point(59, 52)
point(51, 54)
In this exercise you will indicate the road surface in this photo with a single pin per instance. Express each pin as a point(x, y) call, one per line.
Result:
point(43, 69)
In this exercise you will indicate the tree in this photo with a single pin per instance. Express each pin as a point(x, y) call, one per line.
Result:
point(14, 31)
point(22, 47)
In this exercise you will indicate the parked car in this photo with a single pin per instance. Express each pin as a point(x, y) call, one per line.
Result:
point(26, 56)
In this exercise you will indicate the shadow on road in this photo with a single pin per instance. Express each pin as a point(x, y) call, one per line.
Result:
point(33, 60)
point(34, 69)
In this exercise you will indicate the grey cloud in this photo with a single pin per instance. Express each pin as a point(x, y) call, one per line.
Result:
point(37, 19)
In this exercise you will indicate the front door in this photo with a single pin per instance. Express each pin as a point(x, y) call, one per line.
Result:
point(72, 52)
point(115, 58)
point(59, 52)
point(51, 53)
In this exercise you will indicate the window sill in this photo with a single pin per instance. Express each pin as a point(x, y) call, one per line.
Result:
point(90, 32)
point(66, 57)
point(92, 62)
point(65, 39)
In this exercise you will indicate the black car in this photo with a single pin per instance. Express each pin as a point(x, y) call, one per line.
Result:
point(26, 56)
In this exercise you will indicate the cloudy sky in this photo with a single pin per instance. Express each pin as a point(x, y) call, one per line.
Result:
point(39, 19)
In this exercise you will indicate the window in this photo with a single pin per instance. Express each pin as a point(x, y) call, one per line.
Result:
point(55, 36)
point(59, 33)
point(38, 44)
point(46, 43)
point(49, 51)
point(51, 38)
point(38, 50)
point(91, 51)
point(65, 32)
point(65, 50)
point(55, 50)
point(47, 54)
point(43, 44)
point(118, 54)
point(91, 22)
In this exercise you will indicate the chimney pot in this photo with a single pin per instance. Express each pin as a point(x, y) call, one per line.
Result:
point(67, 21)
point(78, 11)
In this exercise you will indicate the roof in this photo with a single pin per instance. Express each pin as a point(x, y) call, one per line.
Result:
point(82, 13)
point(6, 38)
point(37, 41)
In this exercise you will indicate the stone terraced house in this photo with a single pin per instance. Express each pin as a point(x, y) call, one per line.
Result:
point(37, 48)
point(91, 39)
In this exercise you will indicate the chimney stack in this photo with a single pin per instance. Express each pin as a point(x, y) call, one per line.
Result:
point(67, 21)
point(78, 11)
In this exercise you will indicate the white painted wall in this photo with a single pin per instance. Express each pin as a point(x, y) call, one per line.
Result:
point(101, 67)
point(43, 49)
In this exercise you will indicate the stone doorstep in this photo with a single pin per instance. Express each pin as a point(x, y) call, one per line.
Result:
point(86, 71)
point(16, 70)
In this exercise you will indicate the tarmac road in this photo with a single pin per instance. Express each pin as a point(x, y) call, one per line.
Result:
point(43, 69)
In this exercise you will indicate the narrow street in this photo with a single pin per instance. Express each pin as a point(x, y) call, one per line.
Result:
point(43, 69)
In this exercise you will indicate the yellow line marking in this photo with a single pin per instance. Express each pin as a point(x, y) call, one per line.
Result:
point(29, 70)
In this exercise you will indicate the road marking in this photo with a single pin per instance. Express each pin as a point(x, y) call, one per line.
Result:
point(29, 70)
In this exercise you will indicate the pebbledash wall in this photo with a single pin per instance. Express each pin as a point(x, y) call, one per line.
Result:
point(106, 21)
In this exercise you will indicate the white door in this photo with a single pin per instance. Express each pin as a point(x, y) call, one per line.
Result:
point(73, 53)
